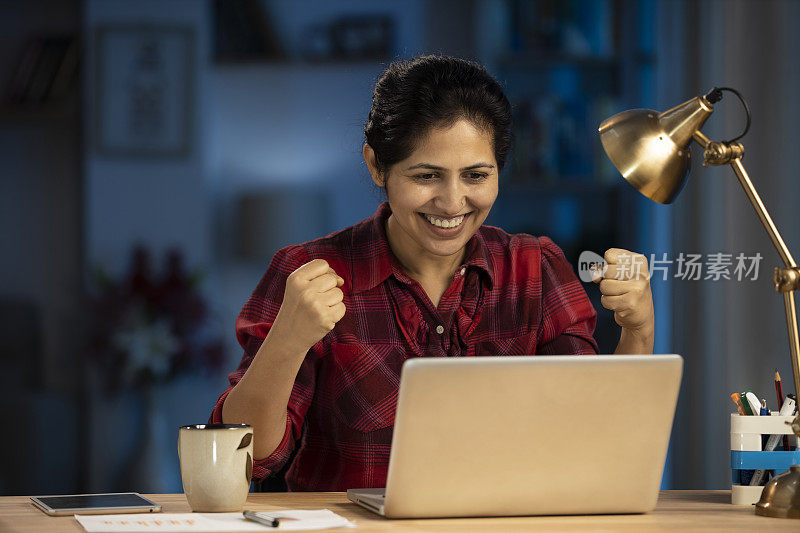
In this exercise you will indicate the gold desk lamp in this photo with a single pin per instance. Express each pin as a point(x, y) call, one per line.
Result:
point(651, 150)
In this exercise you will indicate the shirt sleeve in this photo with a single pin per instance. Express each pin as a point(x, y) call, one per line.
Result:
point(252, 326)
point(568, 317)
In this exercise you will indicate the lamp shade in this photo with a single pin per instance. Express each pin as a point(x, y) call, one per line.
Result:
point(651, 150)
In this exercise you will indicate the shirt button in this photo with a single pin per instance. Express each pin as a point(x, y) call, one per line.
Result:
point(439, 329)
point(463, 270)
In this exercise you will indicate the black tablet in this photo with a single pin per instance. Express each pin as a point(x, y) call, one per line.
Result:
point(116, 502)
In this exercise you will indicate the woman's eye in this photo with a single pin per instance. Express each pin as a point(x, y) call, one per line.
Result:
point(426, 177)
point(476, 176)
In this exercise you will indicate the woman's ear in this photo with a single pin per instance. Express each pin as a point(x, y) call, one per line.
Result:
point(372, 165)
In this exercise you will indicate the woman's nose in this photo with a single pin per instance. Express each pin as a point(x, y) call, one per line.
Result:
point(452, 197)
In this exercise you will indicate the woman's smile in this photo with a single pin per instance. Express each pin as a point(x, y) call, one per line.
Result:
point(445, 226)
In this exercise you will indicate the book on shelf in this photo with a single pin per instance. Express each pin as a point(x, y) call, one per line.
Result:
point(23, 73)
point(67, 70)
point(45, 71)
point(569, 28)
point(555, 138)
point(242, 31)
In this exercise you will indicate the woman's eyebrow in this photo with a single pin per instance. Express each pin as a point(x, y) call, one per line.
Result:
point(478, 165)
point(435, 167)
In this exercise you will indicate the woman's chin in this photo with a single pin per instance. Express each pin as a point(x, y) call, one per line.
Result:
point(444, 249)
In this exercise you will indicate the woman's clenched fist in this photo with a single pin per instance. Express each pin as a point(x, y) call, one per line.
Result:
point(625, 285)
point(312, 304)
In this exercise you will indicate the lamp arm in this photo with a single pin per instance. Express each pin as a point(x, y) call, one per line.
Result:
point(761, 211)
point(717, 153)
point(786, 280)
point(788, 260)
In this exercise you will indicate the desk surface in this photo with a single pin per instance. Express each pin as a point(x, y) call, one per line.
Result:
point(692, 510)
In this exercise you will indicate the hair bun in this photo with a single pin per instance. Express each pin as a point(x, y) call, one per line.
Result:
point(415, 95)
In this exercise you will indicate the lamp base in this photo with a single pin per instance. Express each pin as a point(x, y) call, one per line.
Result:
point(781, 496)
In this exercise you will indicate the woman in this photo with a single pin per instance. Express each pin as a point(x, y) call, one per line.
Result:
point(329, 326)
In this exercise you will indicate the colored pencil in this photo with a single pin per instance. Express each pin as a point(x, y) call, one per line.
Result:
point(779, 391)
point(738, 401)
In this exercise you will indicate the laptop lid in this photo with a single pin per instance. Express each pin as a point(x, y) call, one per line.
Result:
point(501, 436)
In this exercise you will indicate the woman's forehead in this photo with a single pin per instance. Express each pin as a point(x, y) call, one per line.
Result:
point(456, 146)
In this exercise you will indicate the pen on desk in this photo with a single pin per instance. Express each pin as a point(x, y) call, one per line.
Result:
point(738, 401)
point(252, 516)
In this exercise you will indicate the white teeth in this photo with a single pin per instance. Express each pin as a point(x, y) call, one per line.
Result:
point(445, 222)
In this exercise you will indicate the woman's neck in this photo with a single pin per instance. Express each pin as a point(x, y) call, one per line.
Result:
point(418, 263)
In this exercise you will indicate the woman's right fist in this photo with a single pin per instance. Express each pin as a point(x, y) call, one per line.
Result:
point(312, 304)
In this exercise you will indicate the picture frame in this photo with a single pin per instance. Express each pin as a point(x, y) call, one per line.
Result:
point(144, 89)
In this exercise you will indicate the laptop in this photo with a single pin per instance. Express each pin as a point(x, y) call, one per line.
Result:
point(511, 436)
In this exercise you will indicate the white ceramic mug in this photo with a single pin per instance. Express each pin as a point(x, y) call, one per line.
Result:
point(216, 465)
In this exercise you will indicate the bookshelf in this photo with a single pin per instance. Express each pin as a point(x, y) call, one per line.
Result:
point(566, 66)
point(43, 83)
point(244, 32)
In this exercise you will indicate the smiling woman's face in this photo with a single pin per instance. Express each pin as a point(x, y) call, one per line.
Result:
point(441, 194)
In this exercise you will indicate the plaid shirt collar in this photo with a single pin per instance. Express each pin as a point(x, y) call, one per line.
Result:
point(369, 274)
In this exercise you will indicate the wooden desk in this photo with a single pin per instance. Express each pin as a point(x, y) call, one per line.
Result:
point(693, 510)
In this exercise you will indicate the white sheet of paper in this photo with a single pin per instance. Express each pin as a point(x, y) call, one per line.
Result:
point(299, 520)
point(210, 522)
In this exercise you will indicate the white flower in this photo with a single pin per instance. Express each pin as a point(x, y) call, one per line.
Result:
point(149, 346)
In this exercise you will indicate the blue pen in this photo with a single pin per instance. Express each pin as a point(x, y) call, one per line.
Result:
point(764, 411)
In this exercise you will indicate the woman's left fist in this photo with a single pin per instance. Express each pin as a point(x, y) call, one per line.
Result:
point(625, 285)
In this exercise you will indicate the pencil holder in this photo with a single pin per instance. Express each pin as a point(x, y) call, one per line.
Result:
point(748, 433)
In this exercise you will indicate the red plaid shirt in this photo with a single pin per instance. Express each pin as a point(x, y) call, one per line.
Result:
point(514, 295)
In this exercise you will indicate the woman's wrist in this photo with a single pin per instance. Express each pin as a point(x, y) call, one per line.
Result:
point(282, 340)
point(274, 368)
point(636, 341)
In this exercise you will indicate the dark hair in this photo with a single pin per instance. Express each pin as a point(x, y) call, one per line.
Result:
point(425, 92)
